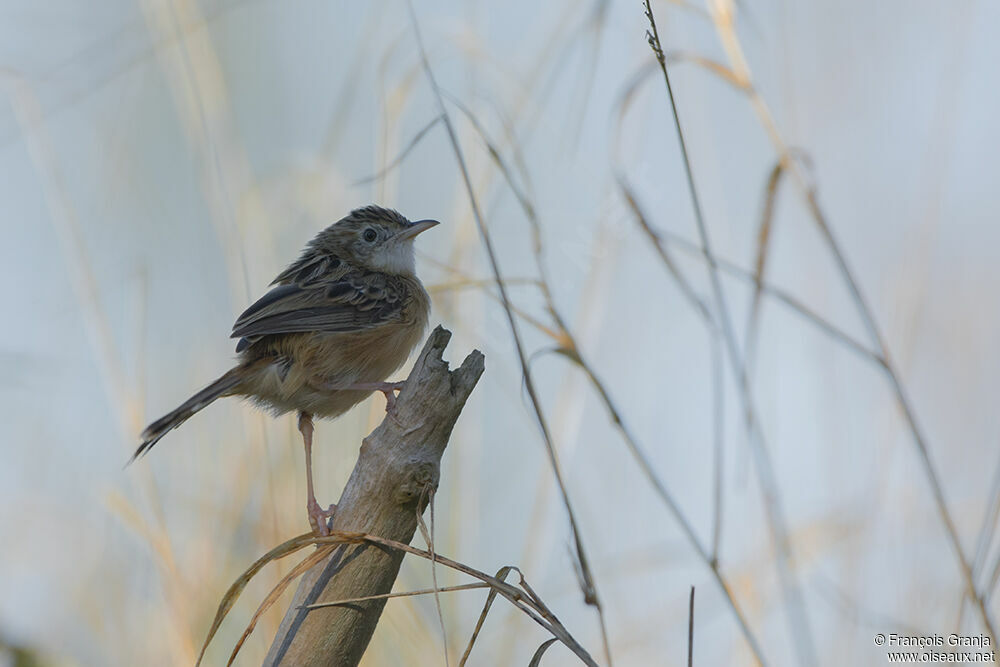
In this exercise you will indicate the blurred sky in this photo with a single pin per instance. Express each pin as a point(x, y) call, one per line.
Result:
point(161, 161)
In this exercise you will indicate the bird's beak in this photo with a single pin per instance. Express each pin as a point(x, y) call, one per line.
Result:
point(415, 228)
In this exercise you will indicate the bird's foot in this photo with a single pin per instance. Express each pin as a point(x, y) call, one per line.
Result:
point(318, 517)
point(388, 389)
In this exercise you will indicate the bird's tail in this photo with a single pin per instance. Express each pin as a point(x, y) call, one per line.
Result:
point(176, 417)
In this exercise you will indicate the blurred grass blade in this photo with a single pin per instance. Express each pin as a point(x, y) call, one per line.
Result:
point(589, 591)
point(536, 659)
point(760, 261)
point(276, 592)
point(428, 536)
point(402, 155)
point(490, 597)
point(402, 594)
point(229, 599)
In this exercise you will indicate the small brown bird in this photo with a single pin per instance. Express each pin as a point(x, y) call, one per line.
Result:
point(341, 319)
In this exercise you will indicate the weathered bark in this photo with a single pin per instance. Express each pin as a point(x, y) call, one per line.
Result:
point(398, 463)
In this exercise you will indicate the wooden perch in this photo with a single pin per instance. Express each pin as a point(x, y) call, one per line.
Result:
point(399, 463)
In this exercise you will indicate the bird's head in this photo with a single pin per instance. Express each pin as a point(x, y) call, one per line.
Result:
point(375, 238)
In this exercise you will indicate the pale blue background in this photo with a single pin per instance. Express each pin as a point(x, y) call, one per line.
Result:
point(161, 161)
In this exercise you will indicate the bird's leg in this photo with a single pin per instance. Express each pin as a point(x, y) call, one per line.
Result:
point(317, 515)
point(388, 389)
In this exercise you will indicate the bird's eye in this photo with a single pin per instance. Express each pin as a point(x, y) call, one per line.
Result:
point(370, 235)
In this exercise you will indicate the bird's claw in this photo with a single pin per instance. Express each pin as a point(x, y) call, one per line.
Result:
point(389, 390)
point(318, 517)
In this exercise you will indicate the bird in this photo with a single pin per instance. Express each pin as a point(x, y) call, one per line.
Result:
point(335, 324)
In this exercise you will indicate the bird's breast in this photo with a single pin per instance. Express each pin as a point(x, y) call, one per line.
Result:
point(304, 369)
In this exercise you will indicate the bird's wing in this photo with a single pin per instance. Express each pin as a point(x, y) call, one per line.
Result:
point(312, 267)
point(353, 301)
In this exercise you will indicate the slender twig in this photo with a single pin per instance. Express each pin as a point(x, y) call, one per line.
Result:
point(992, 581)
point(989, 525)
point(718, 385)
point(589, 587)
point(856, 612)
point(523, 598)
point(595, 24)
point(718, 442)
point(476, 283)
point(401, 594)
point(691, 629)
point(796, 610)
point(919, 440)
point(631, 199)
point(396, 161)
point(774, 292)
point(986, 534)
point(501, 575)
point(428, 536)
point(760, 263)
point(687, 290)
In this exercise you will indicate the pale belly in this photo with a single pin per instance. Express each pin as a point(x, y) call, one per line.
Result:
point(310, 372)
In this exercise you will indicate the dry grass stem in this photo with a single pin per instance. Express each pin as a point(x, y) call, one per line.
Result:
point(796, 610)
point(403, 594)
point(724, 23)
point(589, 587)
point(522, 597)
